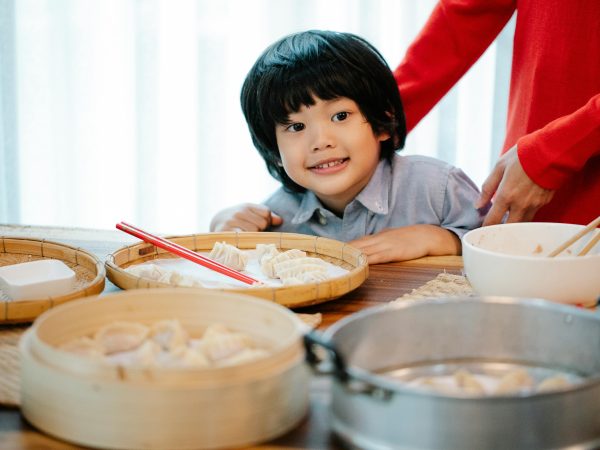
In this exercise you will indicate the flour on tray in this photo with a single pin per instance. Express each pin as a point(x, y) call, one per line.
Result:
point(266, 263)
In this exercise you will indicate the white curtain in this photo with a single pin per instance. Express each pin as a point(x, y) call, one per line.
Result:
point(129, 109)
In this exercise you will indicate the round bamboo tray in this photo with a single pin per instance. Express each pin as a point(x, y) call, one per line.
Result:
point(89, 272)
point(106, 406)
point(292, 296)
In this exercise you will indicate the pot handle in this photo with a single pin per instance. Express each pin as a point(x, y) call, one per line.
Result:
point(313, 342)
point(336, 366)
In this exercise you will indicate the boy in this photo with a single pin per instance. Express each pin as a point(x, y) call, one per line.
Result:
point(324, 112)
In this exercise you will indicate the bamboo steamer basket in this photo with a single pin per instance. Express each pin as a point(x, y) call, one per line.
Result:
point(89, 272)
point(293, 296)
point(99, 405)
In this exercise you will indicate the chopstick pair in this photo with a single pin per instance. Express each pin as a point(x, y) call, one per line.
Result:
point(185, 253)
point(589, 227)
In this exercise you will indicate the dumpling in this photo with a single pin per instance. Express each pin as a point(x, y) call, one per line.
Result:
point(467, 382)
point(514, 382)
point(84, 346)
point(146, 355)
point(229, 255)
point(184, 357)
point(552, 383)
point(295, 268)
point(244, 356)
point(121, 336)
point(266, 251)
point(267, 265)
point(151, 271)
point(169, 334)
point(218, 344)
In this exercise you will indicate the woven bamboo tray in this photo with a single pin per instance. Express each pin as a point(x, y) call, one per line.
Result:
point(332, 251)
point(89, 273)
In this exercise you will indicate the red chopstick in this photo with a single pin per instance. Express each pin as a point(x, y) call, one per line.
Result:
point(185, 253)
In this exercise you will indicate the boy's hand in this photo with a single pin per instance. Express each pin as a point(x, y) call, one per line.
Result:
point(245, 217)
point(401, 244)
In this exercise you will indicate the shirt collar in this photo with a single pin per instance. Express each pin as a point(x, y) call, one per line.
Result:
point(309, 204)
point(374, 196)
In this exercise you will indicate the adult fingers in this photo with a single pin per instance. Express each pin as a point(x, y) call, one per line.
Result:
point(490, 186)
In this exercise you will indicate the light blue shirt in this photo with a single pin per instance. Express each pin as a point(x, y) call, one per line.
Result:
point(411, 190)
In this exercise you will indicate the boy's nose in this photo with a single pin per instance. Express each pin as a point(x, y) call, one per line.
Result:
point(322, 138)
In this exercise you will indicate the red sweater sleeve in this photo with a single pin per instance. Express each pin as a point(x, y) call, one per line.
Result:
point(455, 36)
point(555, 152)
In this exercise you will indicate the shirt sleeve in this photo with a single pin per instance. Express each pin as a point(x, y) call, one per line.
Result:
point(454, 37)
point(555, 152)
point(458, 212)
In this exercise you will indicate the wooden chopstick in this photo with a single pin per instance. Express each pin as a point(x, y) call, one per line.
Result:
point(589, 245)
point(589, 227)
point(185, 253)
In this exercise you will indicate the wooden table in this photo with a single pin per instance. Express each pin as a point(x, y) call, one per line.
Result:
point(386, 282)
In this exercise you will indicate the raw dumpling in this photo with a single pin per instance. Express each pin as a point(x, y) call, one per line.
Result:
point(169, 334)
point(244, 356)
point(267, 265)
point(266, 251)
point(84, 346)
point(296, 267)
point(121, 336)
point(218, 345)
point(229, 255)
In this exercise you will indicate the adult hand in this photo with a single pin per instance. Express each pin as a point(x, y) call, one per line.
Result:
point(410, 242)
point(245, 217)
point(515, 193)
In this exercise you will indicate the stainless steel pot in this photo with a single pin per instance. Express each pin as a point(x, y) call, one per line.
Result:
point(370, 410)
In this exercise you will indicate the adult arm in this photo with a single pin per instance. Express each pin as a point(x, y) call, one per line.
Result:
point(525, 178)
point(454, 37)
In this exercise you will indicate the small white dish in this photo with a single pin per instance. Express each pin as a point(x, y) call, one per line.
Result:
point(36, 279)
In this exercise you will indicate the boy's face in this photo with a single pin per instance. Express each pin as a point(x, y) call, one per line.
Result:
point(330, 148)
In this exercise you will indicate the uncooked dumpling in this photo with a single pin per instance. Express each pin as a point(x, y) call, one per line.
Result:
point(267, 265)
point(121, 336)
point(169, 334)
point(229, 256)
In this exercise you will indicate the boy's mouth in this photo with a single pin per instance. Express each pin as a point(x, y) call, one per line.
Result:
point(329, 163)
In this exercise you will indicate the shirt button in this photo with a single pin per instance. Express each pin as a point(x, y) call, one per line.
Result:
point(322, 220)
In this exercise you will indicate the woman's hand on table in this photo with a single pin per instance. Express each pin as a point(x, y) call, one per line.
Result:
point(411, 242)
point(245, 217)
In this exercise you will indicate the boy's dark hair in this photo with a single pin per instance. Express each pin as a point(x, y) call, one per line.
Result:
point(327, 65)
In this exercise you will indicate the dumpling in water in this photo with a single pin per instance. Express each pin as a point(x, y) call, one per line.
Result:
point(267, 265)
point(467, 382)
point(514, 382)
point(229, 256)
point(169, 334)
point(552, 383)
point(121, 336)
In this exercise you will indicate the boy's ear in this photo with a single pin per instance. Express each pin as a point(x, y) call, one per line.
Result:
point(383, 136)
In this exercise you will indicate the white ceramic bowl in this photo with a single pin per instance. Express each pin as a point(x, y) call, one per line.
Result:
point(511, 259)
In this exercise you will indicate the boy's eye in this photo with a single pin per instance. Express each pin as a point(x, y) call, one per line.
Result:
point(295, 127)
point(338, 117)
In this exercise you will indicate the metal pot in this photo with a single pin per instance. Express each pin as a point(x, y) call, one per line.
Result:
point(372, 411)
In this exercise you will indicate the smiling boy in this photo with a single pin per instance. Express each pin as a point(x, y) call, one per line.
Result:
point(324, 112)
